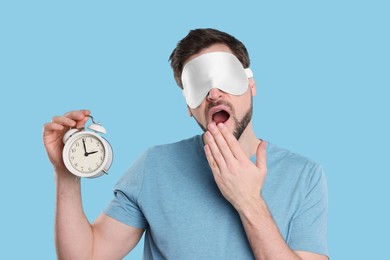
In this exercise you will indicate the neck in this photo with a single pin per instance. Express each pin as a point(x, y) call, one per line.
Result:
point(248, 141)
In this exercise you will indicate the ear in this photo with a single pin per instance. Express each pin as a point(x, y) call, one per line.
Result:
point(252, 86)
point(189, 111)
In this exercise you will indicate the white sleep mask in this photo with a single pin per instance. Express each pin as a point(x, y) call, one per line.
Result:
point(220, 70)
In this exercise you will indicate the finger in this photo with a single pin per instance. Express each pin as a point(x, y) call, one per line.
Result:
point(79, 116)
point(81, 124)
point(215, 151)
point(221, 143)
point(53, 127)
point(232, 142)
point(261, 157)
point(213, 164)
point(63, 120)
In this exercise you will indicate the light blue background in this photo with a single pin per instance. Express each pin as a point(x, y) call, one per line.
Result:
point(322, 72)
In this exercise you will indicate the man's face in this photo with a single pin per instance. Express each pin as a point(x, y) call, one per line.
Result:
point(220, 107)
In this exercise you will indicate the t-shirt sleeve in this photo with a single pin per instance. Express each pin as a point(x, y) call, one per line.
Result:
point(308, 228)
point(125, 207)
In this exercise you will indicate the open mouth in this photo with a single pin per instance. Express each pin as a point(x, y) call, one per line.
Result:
point(220, 116)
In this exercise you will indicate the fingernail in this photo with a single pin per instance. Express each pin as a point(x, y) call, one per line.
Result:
point(221, 125)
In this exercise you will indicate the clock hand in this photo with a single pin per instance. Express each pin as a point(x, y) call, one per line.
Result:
point(85, 148)
point(92, 152)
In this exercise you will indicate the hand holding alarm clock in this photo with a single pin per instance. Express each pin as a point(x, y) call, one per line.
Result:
point(73, 148)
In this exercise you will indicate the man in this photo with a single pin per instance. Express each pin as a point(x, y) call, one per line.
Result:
point(225, 194)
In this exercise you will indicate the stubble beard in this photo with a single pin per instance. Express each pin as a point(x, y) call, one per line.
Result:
point(240, 126)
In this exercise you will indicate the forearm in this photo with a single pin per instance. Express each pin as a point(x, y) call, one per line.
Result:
point(263, 234)
point(73, 232)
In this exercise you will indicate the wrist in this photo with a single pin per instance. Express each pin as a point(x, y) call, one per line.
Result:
point(62, 172)
point(252, 208)
point(67, 184)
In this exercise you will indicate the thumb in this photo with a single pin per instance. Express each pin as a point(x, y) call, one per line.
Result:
point(261, 159)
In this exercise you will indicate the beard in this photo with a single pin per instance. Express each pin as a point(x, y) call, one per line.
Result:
point(239, 125)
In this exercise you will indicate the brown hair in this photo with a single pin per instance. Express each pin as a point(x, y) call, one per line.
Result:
point(198, 39)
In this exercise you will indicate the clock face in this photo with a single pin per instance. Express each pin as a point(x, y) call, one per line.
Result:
point(86, 153)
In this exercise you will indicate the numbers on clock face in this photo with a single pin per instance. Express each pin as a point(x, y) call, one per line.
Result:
point(86, 153)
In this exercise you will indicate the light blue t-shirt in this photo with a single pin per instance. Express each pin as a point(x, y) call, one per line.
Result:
point(171, 193)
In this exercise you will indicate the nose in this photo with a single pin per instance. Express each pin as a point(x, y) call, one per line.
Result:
point(214, 94)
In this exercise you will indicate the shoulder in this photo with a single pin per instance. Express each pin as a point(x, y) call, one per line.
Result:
point(293, 165)
point(159, 158)
point(278, 155)
point(293, 179)
point(167, 156)
point(173, 150)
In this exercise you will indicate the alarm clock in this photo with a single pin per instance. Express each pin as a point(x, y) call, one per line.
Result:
point(86, 153)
